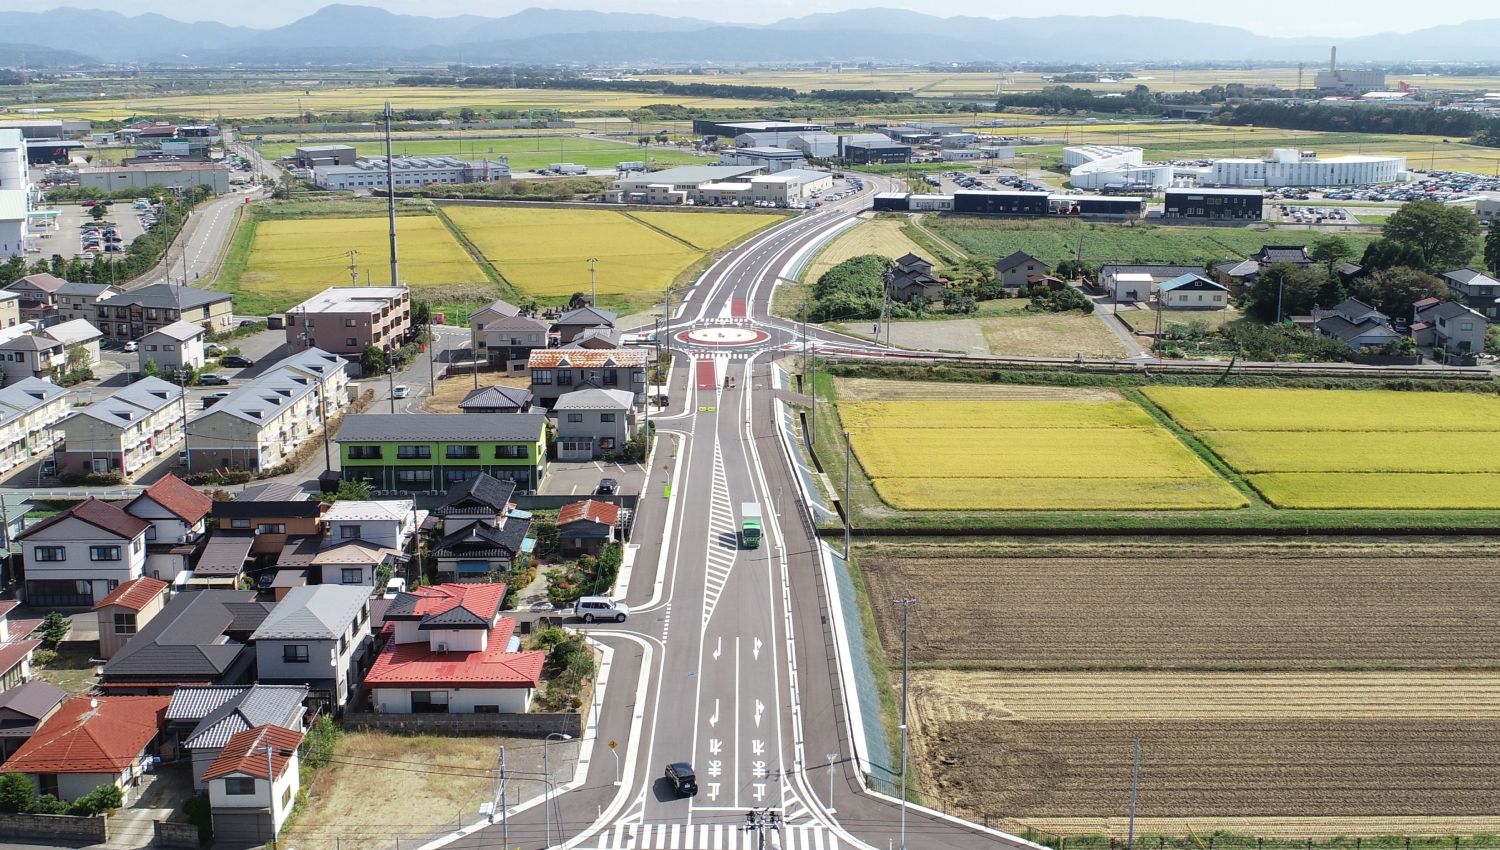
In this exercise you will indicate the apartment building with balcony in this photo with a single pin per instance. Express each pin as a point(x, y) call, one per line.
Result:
point(43, 353)
point(349, 319)
point(133, 314)
point(125, 432)
point(30, 410)
point(258, 426)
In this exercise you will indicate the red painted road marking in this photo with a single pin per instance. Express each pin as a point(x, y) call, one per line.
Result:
point(737, 308)
point(708, 378)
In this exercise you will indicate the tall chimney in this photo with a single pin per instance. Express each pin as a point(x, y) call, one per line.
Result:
point(1333, 58)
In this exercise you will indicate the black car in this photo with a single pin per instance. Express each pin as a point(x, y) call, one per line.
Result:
point(236, 361)
point(683, 780)
point(607, 487)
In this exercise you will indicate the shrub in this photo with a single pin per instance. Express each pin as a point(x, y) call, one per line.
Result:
point(219, 476)
point(1064, 300)
point(17, 793)
point(48, 805)
point(318, 746)
point(97, 801)
point(93, 479)
point(199, 812)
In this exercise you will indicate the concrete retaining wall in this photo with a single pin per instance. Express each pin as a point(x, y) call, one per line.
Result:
point(61, 829)
point(183, 836)
point(527, 725)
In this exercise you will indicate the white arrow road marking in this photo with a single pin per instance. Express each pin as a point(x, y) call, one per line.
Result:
point(755, 649)
point(714, 720)
point(719, 648)
point(760, 709)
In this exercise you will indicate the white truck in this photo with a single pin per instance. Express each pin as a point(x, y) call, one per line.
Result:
point(631, 166)
point(568, 168)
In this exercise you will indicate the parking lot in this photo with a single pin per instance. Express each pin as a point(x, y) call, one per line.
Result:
point(582, 479)
point(67, 238)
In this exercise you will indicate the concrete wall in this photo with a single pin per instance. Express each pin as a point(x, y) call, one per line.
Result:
point(182, 836)
point(528, 725)
point(60, 829)
point(460, 700)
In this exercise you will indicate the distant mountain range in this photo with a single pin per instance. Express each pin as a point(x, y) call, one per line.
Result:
point(364, 35)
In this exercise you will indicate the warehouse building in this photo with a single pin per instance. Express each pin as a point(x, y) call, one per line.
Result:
point(1215, 204)
point(790, 188)
point(1113, 167)
point(871, 148)
point(769, 160)
point(1002, 203)
point(815, 144)
point(15, 194)
point(731, 129)
point(1291, 167)
point(171, 175)
point(1032, 204)
point(409, 172)
point(675, 185)
point(311, 156)
point(48, 128)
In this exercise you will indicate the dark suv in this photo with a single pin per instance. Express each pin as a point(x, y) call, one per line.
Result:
point(683, 780)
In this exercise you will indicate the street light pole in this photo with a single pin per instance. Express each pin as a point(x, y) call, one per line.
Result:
point(390, 372)
point(547, 776)
point(906, 603)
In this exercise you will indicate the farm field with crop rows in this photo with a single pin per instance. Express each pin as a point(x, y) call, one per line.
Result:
point(708, 231)
point(522, 154)
point(1349, 448)
point(1028, 454)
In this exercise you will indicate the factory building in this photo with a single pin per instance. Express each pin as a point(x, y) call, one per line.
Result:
point(1002, 203)
point(815, 144)
point(409, 172)
point(731, 129)
point(1291, 167)
point(770, 160)
point(791, 187)
point(675, 185)
point(1114, 167)
point(15, 194)
point(311, 156)
point(1026, 204)
point(868, 148)
point(767, 139)
point(1348, 80)
point(722, 185)
point(47, 128)
point(1215, 204)
point(172, 175)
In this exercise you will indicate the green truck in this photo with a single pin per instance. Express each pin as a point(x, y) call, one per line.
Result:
point(750, 528)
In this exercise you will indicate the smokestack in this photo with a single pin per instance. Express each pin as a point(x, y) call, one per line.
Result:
point(1333, 58)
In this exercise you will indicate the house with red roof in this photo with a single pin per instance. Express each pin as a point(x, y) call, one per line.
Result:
point(126, 610)
point(448, 650)
point(16, 646)
point(76, 557)
point(252, 786)
point(92, 741)
point(178, 513)
point(587, 526)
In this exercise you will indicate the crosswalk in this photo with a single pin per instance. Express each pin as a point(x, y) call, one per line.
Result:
point(709, 353)
point(712, 836)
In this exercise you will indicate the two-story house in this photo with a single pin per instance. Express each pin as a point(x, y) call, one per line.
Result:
point(317, 636)
point(10, 309)
point(497, 309)
point(44, 353)
point(78, 300)
point(448, 649)
point(76, 557)
point(592, 423)
point(1449, 326)
point(507, 342)
point(125, 432)
point(16, 646)
point(202, 720)
point(258, 426)
point(38, 294)
point(481, 532)
point(1478, 290)
point(483, 498)
point(252, 787)
point(386, 523)
point(178, 513)
point(40, 405)
point(273, 516)
point(557, 372)
point(434, 451)
point(200, 639)
point(575, 322)
point(133, 314)
point(172, 348)
point(1015, 271)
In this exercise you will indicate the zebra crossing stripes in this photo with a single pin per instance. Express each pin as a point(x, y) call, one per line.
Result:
point(710, 354)
point(723, 541)
point(712, 836)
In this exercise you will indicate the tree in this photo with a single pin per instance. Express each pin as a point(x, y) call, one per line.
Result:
point(467, 114)
point(1387, 254)
point(55, 627)
point(150, 370)
point(78, 358)
point(354, 491)
point(1491, 250)
point(421, 315)
point(98, 212)
point(1329, 251)
point(1444, 236)
point(17, 793)
point(1393, 291)
point(372, 361)
point(1287, 290)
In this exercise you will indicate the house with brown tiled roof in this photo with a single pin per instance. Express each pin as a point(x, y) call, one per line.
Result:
point(76, 557)
point(16, 645)
point(558, 371)
point(252, 786)
point(23, 709)
point(92, 741)
point(178, 513)
point(126, 610)
point(199, 639)
point(587, 526)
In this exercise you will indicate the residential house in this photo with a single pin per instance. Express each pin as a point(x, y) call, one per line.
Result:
point(126, 610)
point(482, 550)
point(508, 341)
point(77, 300)
point(124, 432)
point(575, 322)
point(1356, 324)
point(389, 524)
point(178, 513)
point(587, 526)
point(1478, 290)
point(598, 339)
point(1449, 326)
point(199, 639)
point(38, 295)
point(172, 348)
point(434, 451)
point(77, 556)
point(202, 720)
point(13, 451)
point(557, 372)
point(13, 510)
point(133, 314)
point(911, 280)
point(1130, 283)
point(258, 426)
point(1269, 255)
point(496, 400)
point(350, 319)
point(482, 498)
point(272, 517)
point(23, 709)
point(1192, 292)
point(10, 309)
point(497, 309)
point(316, 636)
point(352, 562)
point(92, 741)
point(592, 423)
point(252, 787)
point(16, 646)
point(1019, 270)
point(1239, 275)
point(44, 353)
point(447, 649)
point(223, 560)
point(38, 406)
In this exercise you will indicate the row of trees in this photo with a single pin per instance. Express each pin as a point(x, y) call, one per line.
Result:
point(1362, 119)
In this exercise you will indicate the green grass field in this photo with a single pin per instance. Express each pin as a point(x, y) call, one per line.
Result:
point(1054, 240)
point(524, 154)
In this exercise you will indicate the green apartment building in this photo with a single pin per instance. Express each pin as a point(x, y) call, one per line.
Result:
point(434, 451)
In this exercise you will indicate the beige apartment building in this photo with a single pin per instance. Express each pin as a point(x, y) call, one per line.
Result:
point(349, 319)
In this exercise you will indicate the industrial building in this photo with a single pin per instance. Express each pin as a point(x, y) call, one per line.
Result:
point(409, 172)
point(712, 127)
point(769, 160)
point(1014, 203)
point(15, 194)
point(47, 128)
point(1348, 80)
point(1114, 167)
point(52, 151)
point(1215, 204)
point(870, 148)
point(1291, 167)
point(790, 187)
point(815, 144)
point(172, 175)
point(311, 156)
point(675, 185)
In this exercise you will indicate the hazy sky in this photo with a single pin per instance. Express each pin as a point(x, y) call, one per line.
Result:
point(1330, 18)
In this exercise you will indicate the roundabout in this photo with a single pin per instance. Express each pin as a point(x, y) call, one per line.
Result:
point(722, 336)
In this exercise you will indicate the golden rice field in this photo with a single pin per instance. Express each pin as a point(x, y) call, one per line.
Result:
point(291, 102)
point(1349, 448)
point(885, 237)
point(1021, 454)
point(708, 231)
point(295, 258)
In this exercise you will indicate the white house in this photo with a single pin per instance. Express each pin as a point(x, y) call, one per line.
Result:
point(317, 636)
point(76, 557)
point(1192, 292)
point(171, 347)
point(252, 786)
point(178, 514)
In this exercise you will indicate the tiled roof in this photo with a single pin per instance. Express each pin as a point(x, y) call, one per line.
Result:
point(442, 427)
point(448, 603)
point(91, 735)
point(134, 594)
point(166, 296)
point(352, 552)
point(606, 513)
point(586, 358)
point(1016, 258)
point(32, 699)
point(14, 652)
point(45, 282)
point(257, 705)
point(246, 753)
point(182, 499)
point(186, 640)
point(101, 515)
point(196, 703)
point(485, 397)
point(588, 316)
point(393, 510)
point(517, 323)
point(480, 539)
point(319, 612)
point(413, 665)
point(224, 554)
point(484, 489)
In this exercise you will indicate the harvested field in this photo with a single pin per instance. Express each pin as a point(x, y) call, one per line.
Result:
point(1052, 335)
point(883, 236)
point(874, 389)
point(1297, 829)
point(1204, 613)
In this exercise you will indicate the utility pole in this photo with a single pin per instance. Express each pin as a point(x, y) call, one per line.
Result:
point(847, 505)
point(390, 193)
point(474, 349)
point(1135, 781)
point(593, 281)
point(390, 372)
point(432, 354)
point(906, 603)
point(503, 805)
point(353, 256)
point(182, 374)
point(760, 822)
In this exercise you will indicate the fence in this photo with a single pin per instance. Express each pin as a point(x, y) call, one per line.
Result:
point(59, 829)
point(183, 836)
point(527, 725)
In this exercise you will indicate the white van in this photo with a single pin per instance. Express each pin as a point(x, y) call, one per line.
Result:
point(592, 608)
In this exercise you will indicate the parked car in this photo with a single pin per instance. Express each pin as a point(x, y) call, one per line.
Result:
point(130, 346)
point(591, 608)
point(400, 391)
point(236, 361)
point(213, 379)
point(684, 780)
point(607, 487)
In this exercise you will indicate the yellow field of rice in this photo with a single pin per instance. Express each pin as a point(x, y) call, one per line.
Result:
point(1327, 449)
point(1018, 454)
point(708, 231)
point(302, 256)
